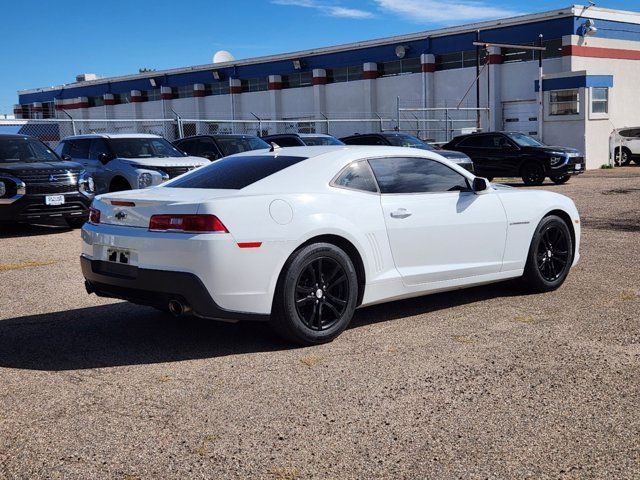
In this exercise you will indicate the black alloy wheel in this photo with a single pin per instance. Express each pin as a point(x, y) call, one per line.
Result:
point(532, 174)
point(550, 255)
point(322, 293)
point(316, 296)
point(622, 157)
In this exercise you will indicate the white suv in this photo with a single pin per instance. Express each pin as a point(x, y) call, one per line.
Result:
point(127, 161)
point(625, 142)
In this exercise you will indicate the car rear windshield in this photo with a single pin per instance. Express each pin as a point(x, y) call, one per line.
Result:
point(234, 173)
point(313, 141)
point(232, 145)
point(25, 150)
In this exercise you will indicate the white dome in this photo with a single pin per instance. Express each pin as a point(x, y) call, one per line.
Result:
point(222, 56)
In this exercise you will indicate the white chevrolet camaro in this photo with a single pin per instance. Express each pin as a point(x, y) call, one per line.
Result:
point(303, 236)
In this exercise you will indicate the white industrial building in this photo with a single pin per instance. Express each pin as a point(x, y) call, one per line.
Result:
point(590, 68)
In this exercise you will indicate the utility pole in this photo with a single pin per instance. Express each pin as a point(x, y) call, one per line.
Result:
point(477, 79)
point(540, 92)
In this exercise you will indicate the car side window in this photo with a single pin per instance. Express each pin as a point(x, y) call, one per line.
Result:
point(79, 148)
point(285, 142)
point(187, 146)
point(498, 141)
point(98, 146)
point(416, 175)
point(357, 176)
point(208, 149)
point(359, 140)
point(478, 141)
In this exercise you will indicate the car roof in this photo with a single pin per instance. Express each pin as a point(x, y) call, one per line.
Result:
point(112, 135)
point(218, 135)
point(7, 136)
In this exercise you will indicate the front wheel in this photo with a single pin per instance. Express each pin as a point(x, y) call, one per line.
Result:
point(550, 255)
point(560, 180)
point(622, 157)
point(532, 174)
point(317, 295)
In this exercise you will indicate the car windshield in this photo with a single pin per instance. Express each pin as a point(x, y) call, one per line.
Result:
point(231, 145)
point(25, 150)
point(403, 140)
point(143, 148)
point(524, 140)
point(313, 141)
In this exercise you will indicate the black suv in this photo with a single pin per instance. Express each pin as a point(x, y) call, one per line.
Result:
point(405, 140)
point(301, 139)
point(36, 186)
point(214, 147)
point(514, 154)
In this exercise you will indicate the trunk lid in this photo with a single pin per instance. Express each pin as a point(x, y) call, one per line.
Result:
point(134, 208)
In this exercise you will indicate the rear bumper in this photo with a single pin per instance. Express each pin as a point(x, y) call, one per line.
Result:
point(156, 288)
point(32, 208)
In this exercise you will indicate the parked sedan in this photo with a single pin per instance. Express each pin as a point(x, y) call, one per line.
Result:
point(301, 139)
point(36, 186)
point(405, 140)
point(303, 236)
point(514, 154)
point(214, 147)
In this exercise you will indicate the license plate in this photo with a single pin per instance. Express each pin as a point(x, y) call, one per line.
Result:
point(54, 200)
point(578, 166)
point(119, 255)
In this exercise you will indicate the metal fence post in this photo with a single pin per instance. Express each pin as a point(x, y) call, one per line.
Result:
point(398, 113)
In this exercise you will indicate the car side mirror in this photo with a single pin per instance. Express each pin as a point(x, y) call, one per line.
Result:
point(65, 157)
point(480, 184)
point(105, 157)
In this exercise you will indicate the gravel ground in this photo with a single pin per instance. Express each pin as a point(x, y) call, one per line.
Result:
point(483, 383)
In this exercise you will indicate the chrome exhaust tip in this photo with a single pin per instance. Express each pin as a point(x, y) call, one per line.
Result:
point(177, 308)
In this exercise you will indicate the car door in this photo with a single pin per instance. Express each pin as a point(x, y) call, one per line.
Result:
point(475, 148)
point(632, 141)
point(78, 151)
point(438, 229)
point(99, 155)
point(504, 156)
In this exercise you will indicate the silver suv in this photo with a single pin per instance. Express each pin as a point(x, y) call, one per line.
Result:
point(127, 161)
point(625, 143)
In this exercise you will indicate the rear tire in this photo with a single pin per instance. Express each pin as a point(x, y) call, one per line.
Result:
point(622, 157)
point(550, 255)
point(532, 174)
point(317, 295)
point(560, 180)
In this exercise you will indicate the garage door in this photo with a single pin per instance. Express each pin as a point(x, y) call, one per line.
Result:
point(520, 117)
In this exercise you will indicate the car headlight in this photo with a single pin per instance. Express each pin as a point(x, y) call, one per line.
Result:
point(3, 189)
point(86, 184)
point(558, 157)
point(145, 180)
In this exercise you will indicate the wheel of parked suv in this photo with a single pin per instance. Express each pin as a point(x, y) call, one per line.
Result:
point(316, 295)
point(550, 255)
point(118, 184)
point(622, 157)
point(560, 180)
point(76, 222)
point(532, 174)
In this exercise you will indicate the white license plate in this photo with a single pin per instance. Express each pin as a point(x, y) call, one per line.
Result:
point(119, 255)
point(54, 200)
point(578, 166)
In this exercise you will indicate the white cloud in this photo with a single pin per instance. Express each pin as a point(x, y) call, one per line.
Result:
point(434, 11)
point(327, 9)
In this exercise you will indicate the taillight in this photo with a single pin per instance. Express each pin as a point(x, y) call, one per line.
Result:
point(94, 216)
point(187, 224)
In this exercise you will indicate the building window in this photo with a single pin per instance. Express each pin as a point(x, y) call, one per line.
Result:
point(95, 101)
point(399, 67)
point(600, 100)
point(295, 80)
point(564, 102)
point(258, 84)
point(119, 98)
point(344, 74)
point(464, 59)
point(48, 110)
point(151, 95)
point(184, 91)
point(218, 88)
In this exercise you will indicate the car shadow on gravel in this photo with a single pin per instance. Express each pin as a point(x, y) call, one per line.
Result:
point(123, 334)
point(13, 230)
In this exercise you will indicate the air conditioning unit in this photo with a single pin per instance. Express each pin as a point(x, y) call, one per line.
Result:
point(86, 77)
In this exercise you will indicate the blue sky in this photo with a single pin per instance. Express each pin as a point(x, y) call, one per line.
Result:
point(48, 42)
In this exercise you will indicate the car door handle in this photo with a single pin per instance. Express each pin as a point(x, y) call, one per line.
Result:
point(401, 213)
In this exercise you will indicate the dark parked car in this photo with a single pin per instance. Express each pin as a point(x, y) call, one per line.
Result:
point(301, 139)
point(405, 140)
point(214, 147)
point(514, 154)
point(36, 186)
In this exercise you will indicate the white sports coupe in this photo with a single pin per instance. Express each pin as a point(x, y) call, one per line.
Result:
point(303, 236)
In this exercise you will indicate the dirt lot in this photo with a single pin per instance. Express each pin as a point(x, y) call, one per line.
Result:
point(483, 383)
